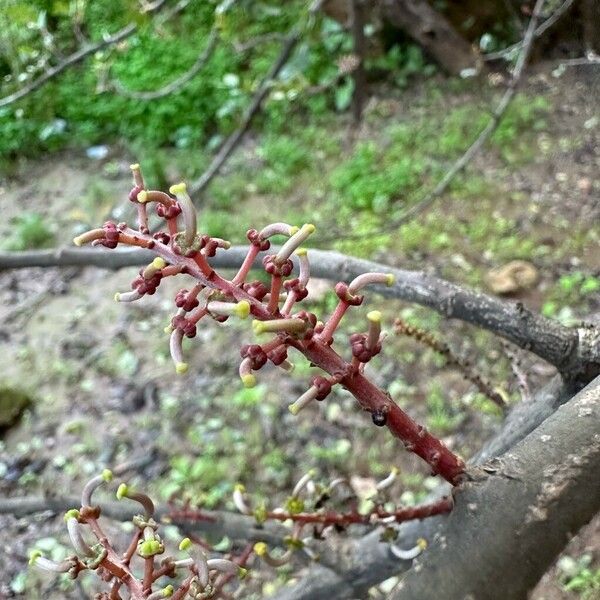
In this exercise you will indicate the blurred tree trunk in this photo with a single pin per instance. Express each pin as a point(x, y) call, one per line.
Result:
point(360, 50)
point(433, 32)
point(591, 25)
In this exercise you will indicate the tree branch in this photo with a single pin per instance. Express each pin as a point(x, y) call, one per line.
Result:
point(575, 352)
point(77, 57)
point(215, 524)
point(349, 572)
point(198, 186)
point(518, 513)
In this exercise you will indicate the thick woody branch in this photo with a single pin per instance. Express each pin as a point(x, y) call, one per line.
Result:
point(518, 512)
point(575, 352)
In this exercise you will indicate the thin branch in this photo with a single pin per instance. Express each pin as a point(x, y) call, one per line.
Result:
point(541, 29)
point(198, 186)
point(496, 117)
point(575, 352)
point(76, 58)
point(178, 83)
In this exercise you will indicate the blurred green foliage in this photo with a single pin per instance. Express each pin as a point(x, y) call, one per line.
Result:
point(82, 107)
point(29, 230)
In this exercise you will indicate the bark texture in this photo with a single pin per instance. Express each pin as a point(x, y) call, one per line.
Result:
point(433, 32)
point(513, 519)
point(574, 351)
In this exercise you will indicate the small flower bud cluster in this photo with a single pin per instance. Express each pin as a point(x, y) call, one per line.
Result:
point(274, 309)
point(198, 574)
point(311, 506)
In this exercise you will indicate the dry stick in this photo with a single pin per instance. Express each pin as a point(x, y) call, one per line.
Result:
point(541, 29)
point(177, 83)
point(574, 351)
point(235, 138)
point(425, 337)
point(77, 57)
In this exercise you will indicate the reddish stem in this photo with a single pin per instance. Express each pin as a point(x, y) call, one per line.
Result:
point(415, 437)
point(442, 506)
point(273, 305)
point(241, 275)
point(334, 321)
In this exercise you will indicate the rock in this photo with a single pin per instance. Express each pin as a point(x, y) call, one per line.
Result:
point(515, 276)
point(12, 403)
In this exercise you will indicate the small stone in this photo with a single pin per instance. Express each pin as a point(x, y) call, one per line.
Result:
point(515, 276)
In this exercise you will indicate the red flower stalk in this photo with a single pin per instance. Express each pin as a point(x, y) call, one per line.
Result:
point(183, 250)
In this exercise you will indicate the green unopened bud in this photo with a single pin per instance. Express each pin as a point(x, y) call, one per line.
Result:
point(147, 548)
point(71, 514)
point(294, 505)
point(185, 544)
point(260, 513)
point(122, 491)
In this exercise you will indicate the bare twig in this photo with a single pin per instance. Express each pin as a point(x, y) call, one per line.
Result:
point(77, 57)
point(235, 138)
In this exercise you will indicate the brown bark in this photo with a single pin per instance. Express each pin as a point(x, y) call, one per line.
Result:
point(575, 352)
point(433, 32)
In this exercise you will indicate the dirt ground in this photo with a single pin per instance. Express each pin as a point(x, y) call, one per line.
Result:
point(103, 388)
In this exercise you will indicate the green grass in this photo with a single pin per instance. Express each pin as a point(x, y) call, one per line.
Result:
point(29, 230)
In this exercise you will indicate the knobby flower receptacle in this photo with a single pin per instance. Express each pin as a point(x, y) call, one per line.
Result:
point(274, 308)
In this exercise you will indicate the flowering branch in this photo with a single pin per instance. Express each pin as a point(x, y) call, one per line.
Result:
point(202, 576)
point(181, 249)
